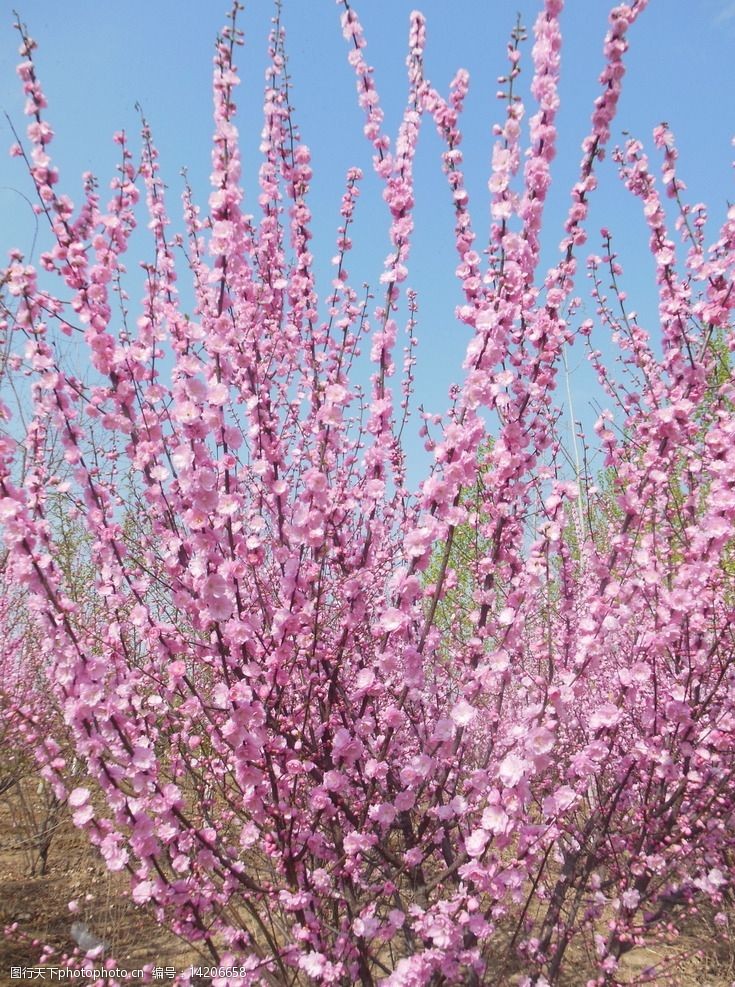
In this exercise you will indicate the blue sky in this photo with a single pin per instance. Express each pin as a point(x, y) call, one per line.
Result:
point(97, 59)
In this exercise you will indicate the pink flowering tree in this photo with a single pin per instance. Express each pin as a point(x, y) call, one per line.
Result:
point(304, 762)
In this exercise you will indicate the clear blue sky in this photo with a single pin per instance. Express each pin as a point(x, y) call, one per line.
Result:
point(97, 58)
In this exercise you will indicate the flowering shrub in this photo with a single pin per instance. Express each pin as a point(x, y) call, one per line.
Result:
point(306, 755)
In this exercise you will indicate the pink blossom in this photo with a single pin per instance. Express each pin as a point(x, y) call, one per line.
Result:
point(143, 892)
point(463, 713)
point(476, 842)
point(630, 898)
point(393, 619)
point(512, 769)
point(78, 797)
point(607, 715)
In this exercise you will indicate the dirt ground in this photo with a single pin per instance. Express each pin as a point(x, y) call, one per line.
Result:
point(38, 902)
